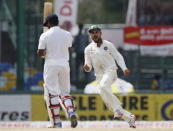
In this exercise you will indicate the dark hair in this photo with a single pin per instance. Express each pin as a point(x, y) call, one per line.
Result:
point(52, 19)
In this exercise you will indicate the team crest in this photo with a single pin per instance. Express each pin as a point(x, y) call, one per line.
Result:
point(105, 48)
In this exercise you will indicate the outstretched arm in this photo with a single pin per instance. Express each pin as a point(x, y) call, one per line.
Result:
point(119, 59)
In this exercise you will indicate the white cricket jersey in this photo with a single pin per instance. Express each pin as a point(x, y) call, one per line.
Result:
point(56, 41)
point(103, 58)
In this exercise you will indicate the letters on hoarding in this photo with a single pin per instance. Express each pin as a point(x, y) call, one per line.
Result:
point(15, 107)
point(67, 12)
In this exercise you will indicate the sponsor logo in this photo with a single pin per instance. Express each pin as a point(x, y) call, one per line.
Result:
point(167, 110)
point(14, 116)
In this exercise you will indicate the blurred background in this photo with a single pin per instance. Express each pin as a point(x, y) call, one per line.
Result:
point(142, 30)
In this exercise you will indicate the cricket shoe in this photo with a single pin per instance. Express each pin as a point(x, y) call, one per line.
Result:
point(132, 121)
point(73, 119)
point(56, 125)
point(118, 116)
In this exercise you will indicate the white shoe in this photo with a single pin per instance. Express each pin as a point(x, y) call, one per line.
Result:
point(118, 116)
point(132, 121)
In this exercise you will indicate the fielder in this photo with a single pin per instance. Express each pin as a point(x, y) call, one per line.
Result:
point(53, 46)
point(101, 55)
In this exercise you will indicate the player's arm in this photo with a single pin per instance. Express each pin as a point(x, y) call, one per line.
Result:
point(88, 65)
point(119, 59)
point(70, 42)
point(41, 52)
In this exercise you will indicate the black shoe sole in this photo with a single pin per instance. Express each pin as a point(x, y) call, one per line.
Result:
point(73, 120)
point(132, 126)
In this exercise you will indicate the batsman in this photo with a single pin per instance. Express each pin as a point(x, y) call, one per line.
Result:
point(101, 55)
point(54, 44)
point(54, 47)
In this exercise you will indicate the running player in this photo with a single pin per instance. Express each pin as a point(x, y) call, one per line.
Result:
point(101, 55)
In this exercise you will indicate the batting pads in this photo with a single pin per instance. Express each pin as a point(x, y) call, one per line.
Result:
point(54, 103)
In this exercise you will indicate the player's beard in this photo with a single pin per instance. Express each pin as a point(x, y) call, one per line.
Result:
point(99, 40)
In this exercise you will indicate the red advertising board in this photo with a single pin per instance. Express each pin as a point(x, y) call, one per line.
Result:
point(152, 38)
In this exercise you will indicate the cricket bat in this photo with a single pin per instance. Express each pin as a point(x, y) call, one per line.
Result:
point(48, 8)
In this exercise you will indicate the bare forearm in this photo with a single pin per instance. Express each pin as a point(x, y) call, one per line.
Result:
point(41, 53)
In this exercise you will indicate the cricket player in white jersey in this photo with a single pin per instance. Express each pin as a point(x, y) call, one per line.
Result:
point(101, 55)
point(53, 46)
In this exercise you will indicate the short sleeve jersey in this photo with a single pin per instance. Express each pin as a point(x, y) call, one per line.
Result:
point(56, 42)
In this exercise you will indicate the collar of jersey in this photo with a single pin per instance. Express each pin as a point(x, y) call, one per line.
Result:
point(96, 44)
point(55, 27)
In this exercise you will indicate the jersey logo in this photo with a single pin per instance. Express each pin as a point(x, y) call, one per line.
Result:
point(105, 48)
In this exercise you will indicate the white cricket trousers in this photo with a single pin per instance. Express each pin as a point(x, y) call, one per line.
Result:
point(108, 97)
point(56, 85)
point(57, 79)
